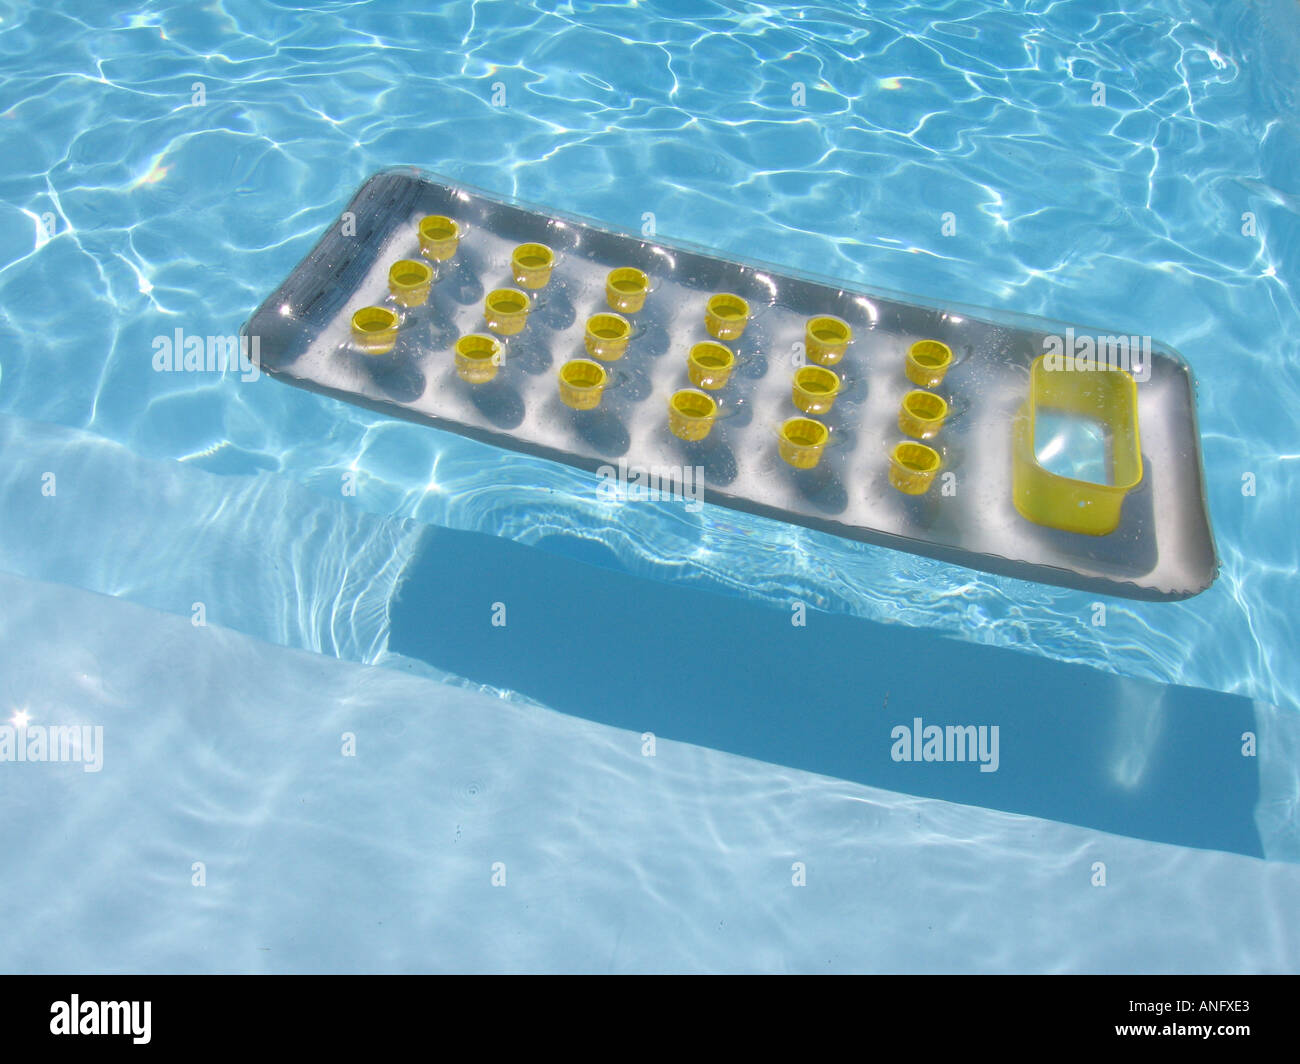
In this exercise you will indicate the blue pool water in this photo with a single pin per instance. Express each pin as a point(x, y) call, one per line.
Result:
point(167, 165)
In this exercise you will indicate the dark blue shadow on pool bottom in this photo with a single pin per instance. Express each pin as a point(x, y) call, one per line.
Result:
point(1074, 744)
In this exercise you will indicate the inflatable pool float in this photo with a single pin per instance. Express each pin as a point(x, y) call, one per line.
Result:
point(1003, 443)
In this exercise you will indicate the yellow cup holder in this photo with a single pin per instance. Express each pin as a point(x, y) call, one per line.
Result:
point(801, 442)
point(927, 363)
point(814, 389)
point(410, 281)
point(826, 338)
point(725, 316)
point(374, 330)
point(691, 414)
point(478, 357)
point(582, 383)
point(1100, 395)
point(709, 365)
point(506, 311)
point(922, 414)
point(912, 467)
point(439, 237)
point(626, 289)
point(531, 265)
point(606, 336)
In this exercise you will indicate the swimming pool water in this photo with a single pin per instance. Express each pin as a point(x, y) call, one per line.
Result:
point(171, 214)
point(168, 164)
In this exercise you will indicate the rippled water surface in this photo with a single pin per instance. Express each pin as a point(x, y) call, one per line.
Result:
point(169, 213)
point(1129, 165)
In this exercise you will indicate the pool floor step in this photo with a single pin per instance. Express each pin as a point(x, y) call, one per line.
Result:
point(266, 557)
point(230, 829)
